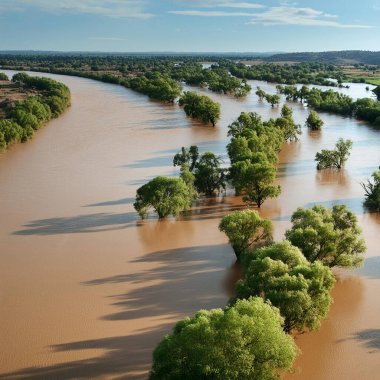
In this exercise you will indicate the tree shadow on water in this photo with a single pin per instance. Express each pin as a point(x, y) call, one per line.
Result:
point(370, 338)
point(179, 282)
point(125, 357)
point(79, 224)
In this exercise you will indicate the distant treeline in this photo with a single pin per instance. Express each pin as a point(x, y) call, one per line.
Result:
point(305, 73)
point(24, 117)
point(121, 69)
point(334, 57)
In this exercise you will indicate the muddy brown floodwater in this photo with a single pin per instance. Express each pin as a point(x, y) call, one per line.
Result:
point(87, 290)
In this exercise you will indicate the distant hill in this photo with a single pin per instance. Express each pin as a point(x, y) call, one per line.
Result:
point(335, 57)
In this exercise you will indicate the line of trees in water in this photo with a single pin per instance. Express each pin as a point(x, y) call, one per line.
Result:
point(287, 285)
point(366, 109)
point(23, 118)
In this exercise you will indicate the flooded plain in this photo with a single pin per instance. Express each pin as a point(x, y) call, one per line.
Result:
point(87, 290)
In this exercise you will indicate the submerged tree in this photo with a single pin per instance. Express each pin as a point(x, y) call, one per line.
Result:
point(286, 123)
point(280, 274)
point(330, 236)
point(200, 107)
point(255, 180)
point(272, 99)
point(372, 192)
point(335, 158)
point(244, 229)
point(167, 196)
point(209, 176)
point(260, 93)
point(313, 121)
point(244, 341)
point(187, 156)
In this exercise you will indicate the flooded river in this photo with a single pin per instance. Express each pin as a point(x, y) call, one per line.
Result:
point(87, 290)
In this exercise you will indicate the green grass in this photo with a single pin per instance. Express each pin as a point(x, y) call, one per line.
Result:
point(375, 81)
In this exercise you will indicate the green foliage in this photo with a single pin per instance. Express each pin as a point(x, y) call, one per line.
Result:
point(281, 274)
point(209, 176)
point(314, 122)
point(157, 86)
point(255, 180)
point(286, 123)
point(188, 177)
point(335, 158)
point(305, 73)
point(3, 76)
point(24, 117)
point(200, 107)
point(260, 93)
point(330, 236)
point(242, 342)
point(167, 196)
point(272, 99)
point(187, 156)
point(244, 229)
point(372, 192)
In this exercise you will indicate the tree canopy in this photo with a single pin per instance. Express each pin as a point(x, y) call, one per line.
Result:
point(244, 341)
point(330, 236)
point(200, 107)
point(244, 229)
point(313, 121)
point(209, 176)
point(281, 274)
point(335, 158)
point(167, 196)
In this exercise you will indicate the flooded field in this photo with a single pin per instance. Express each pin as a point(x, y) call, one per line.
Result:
point(87, 290)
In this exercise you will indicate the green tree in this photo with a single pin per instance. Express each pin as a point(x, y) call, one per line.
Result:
point(188, 177)
point(167, 196)
point(255, 181)
point(281, 274)
point(260, 93)
point(286, 123)
point(334, 158)
point(200, 107)
point(314, 122)
point(272, 99)
point(187, 156)
point(244, 229)
point(330, 236)
point(372, 192)
point(242, 342)
point(209, 176)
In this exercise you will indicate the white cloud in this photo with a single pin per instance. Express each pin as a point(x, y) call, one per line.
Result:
point(109, 8)
point(282, 15)
point(299, 16)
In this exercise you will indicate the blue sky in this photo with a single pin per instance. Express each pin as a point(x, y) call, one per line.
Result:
point(189, 25)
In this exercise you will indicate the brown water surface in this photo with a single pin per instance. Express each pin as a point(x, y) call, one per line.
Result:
point(87, 290)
